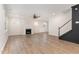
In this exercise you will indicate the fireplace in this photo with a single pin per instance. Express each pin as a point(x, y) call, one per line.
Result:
point(28, 31)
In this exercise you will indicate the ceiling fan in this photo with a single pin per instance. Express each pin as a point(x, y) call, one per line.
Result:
point(35, 16)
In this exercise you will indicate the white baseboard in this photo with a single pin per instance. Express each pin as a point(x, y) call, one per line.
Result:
point(1, 50)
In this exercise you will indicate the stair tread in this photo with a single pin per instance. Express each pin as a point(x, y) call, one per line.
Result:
point(69, 36)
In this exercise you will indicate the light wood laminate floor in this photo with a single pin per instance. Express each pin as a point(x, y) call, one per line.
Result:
point(38, 44)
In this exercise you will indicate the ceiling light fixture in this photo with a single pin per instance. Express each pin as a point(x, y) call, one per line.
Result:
point(35, 16)
point(36, 23)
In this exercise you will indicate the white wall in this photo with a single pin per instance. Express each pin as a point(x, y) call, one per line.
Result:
point(21, 18)
point(18, 26)
point(58, 20)
point(42, 26)
point(3, 34)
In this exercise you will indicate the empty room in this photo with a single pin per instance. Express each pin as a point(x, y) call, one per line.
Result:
point(39, 28)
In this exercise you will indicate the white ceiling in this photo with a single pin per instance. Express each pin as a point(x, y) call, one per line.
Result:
point(44, 10)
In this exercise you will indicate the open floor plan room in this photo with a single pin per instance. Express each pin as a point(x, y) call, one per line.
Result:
point(39, 28)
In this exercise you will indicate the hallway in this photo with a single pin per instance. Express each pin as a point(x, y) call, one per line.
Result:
point(37, 43)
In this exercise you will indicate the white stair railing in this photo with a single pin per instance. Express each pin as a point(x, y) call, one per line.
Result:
point(65, 28)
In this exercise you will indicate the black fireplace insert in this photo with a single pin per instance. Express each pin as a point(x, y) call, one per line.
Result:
point(28, 31)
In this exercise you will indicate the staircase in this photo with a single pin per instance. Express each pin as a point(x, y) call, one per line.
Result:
point(67, 35)
point(72, 34)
